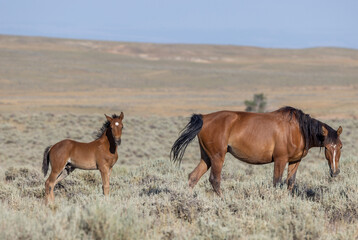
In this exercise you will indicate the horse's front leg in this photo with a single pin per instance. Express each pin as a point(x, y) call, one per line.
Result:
point(279, 167)
point(110, 172)
point(291, 174)
point(105, 173)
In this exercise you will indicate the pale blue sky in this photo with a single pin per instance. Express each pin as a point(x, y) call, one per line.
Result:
point(283, 24)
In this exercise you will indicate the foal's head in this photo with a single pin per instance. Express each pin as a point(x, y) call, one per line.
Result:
point(116, 126)
point(332, 145)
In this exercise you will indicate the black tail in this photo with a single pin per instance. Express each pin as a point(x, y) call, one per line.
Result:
point(46, 160)
point(187, 135)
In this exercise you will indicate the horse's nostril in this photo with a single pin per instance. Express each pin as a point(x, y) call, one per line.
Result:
point(334, 174)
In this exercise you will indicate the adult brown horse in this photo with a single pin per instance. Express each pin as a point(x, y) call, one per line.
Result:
point(283, 136)
point(67, 155)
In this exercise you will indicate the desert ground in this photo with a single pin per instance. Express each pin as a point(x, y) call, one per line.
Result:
point(52, 89)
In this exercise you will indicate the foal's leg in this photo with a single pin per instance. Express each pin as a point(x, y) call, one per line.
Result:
point(291, 174)
point(49, 186)
point(57, 168)
point(105, 172)
point(110, 172)
point(65, 172)
point(199, 171)
point(279, 167)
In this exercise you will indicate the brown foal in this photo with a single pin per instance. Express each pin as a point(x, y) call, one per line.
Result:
point(283, 136)
point(67, 155)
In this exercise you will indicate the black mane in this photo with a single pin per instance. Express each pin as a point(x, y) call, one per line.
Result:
point(311, 128)
point(104, 127)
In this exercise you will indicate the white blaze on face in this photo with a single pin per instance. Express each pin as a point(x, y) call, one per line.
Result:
point(334, 157)
point(117, 124)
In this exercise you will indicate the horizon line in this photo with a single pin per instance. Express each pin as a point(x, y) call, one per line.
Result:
point(172, 43)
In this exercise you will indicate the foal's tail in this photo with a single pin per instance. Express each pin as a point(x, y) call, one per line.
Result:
point(187, 135)
point(46, 160)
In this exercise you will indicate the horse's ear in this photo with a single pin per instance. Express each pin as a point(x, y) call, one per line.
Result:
point(339, 131)
point(324, 131)
point(121, 116)
point(108, 118)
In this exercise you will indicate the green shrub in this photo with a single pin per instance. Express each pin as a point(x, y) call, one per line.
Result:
point(258, 104)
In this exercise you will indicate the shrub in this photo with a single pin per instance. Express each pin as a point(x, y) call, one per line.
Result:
point(258, 104)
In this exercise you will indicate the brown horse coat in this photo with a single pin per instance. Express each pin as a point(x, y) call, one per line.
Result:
point(67, 155)
point(283, 136)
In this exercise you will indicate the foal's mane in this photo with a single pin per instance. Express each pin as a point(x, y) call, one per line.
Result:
point(104, 127)
point(311, 128)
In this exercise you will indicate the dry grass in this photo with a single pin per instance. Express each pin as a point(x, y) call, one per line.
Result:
point(153, 202)
point(149, 195)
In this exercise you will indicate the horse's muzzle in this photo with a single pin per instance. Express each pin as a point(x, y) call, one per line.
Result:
point(118, 141)
point(334, 174)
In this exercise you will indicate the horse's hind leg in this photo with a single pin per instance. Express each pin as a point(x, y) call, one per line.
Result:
point(51, 182)
point(199, 171)
point(65, 172)
point(215, 173)
point(49, 186)
point(57, 168)
point(216, 154)
point(217, 161)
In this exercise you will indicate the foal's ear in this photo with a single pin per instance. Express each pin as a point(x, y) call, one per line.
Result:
point(339, 131)
point(108, 118)
point(121, 116)
point(324, 131)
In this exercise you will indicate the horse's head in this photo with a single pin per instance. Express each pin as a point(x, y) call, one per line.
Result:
point(332, 145)
point(116, 126)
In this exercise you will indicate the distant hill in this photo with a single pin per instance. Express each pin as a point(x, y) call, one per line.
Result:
point(61, 64)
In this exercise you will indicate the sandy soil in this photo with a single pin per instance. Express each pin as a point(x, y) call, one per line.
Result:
point(324, 102)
